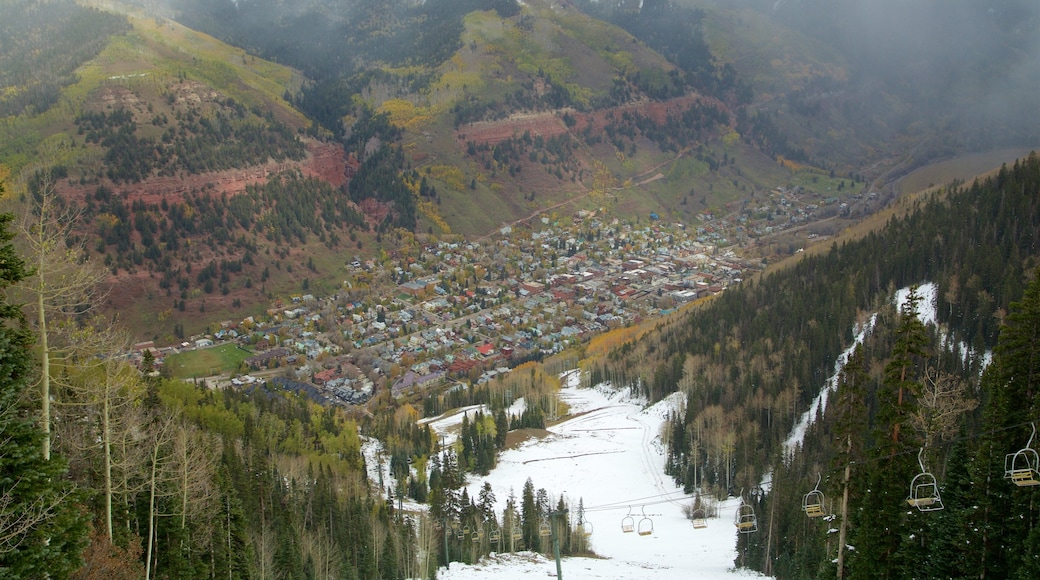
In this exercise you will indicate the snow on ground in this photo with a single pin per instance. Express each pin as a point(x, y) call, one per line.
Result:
point(928, 293)
point(448, 425)
point(926, 313)
point(819, 404)
point(608, 454)
point(517, 408)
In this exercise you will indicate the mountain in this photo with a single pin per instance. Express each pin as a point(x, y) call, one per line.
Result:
point(183, 163)
point(457, 118)
point(211, 180)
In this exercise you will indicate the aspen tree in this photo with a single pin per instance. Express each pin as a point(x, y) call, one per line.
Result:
point(62, 282)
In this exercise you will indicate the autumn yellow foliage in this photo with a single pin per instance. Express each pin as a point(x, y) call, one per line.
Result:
point(792, 165)
point(429, 211)
point(451, 176)
point(601, 345)
point(405, 113)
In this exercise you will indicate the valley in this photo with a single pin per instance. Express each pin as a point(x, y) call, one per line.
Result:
point(383, 289)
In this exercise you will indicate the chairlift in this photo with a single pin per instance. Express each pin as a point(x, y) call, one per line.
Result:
point(543, 528)
point(494, 535)
point(459, 532)
point(813, 502)
point(646, 525)
point(478, 535)
point(628, 523)
point(699, 520)
point(1023, 466)
point(583, 529)
point(924, 490)
point(745, 519)
point(518, 534)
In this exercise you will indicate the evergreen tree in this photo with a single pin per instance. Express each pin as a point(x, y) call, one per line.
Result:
point(884, 524)
point(501, 428)
point(388, 560)
point(850, 432)
point(529, 516)
point(1004, 542)
point(486, 503)
point(42, 522)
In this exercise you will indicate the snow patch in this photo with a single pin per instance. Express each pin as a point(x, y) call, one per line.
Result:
point(819, 404)
point(926, 313)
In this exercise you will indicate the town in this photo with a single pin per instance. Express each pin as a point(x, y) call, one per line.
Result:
point(461, 312)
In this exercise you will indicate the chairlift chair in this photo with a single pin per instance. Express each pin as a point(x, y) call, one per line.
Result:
point(628, 523)
point(813, 502)
point(745, 519)
point(459, 532)
point(494, 535)
point(478, 535)
point(924, 490)
point(583, 529)
point(1023, 466)
point(518, 534)
point(699, 521)
point(543, 528)
point(646, 525)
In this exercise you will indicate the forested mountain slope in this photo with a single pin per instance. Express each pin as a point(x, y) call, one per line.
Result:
point(503, 111)
point(175, 161)
point(751, 360)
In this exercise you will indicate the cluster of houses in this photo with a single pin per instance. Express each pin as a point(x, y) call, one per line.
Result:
point(467, 312)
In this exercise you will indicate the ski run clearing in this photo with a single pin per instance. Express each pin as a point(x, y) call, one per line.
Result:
point(607, 454)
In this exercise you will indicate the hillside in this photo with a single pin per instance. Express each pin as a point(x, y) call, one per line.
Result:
point(753, 359)
point(466, 200)
point(516, 110)
point(191, 177)
point(452, 117)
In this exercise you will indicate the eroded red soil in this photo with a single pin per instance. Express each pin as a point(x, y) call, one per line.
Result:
point(325, 161)
point(550, 123)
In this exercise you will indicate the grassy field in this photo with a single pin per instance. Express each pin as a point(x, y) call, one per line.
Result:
point(207, 361)
point(965, 167)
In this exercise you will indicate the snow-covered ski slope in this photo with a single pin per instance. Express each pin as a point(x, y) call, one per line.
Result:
point(610, 456)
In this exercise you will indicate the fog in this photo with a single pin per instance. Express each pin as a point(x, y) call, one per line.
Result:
point(974, 63)
point(970, 68)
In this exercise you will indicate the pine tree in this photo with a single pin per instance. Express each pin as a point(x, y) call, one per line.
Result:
point(43, 526)
point(1003, 519)
point(388, 560)
point(529, 516)
point(850, 431)
point(883, 524)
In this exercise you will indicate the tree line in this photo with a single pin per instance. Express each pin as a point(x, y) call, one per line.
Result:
point(113, 472)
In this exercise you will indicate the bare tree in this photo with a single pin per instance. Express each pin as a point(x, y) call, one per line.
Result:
point(161, 433)
point(941, 402)
point(64, 284)
point(101, 388)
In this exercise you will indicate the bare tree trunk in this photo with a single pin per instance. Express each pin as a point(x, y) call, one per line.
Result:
point(106, 442)
point(151, 513)
point(60, 278)
point(45, 374)
point(844, 519)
